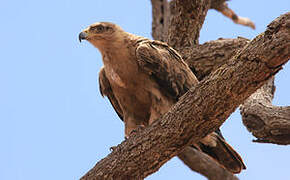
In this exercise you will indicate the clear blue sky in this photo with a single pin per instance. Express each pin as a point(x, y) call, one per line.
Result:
point(54, 124)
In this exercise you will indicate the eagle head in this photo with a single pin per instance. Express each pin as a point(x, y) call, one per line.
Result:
point(101, 33)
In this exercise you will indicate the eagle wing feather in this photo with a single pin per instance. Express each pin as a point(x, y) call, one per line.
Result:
point(166, 67)
point(106, 90)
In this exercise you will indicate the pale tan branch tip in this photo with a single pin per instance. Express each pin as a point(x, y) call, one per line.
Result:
point(225, 10)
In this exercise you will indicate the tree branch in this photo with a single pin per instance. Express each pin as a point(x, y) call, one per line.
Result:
point(205, 165)
point(270, 124)
point(202, 109)
point(160, 19)
point(206, 58)
point(186, 23)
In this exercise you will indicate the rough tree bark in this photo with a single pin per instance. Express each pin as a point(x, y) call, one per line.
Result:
point(186, 22)
point(206, 58)
point(202, 109)
point(269, 123)
point(160, 19)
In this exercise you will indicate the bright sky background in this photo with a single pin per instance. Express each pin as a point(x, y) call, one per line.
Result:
point(54, 124)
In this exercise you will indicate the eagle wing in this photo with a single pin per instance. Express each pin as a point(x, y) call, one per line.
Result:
point(106, 90)
point(172, 75)
point(166, 67)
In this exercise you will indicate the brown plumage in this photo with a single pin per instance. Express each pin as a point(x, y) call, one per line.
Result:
point(143, 78)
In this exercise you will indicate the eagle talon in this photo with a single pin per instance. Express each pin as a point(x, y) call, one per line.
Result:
point(139, 128)
point(134, 131)
point(113, 148)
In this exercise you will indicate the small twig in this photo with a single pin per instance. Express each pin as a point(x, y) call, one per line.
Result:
point(225, 10)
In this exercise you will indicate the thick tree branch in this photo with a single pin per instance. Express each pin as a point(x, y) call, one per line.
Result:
point(206, 58)
point(270, 124)
point(202, 109)
point(205, 165)
point(187, 21)
point(222, 7)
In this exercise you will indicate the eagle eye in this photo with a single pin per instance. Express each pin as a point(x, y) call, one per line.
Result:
point(99, 28)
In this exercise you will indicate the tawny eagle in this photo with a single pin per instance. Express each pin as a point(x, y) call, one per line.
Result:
point(143, 78)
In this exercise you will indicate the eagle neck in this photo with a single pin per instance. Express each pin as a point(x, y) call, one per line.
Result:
point(119, 58)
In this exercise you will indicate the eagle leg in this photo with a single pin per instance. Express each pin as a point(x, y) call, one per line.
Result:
point(135, 130)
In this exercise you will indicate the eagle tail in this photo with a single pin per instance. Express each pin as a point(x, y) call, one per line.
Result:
point(224, 154)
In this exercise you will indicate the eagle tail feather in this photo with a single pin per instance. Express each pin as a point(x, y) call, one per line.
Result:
point(224, 154)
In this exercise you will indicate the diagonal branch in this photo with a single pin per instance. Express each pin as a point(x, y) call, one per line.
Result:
point(269, 123)
point(202, 109)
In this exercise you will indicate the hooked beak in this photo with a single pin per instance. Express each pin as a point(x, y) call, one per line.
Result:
point(82, 36)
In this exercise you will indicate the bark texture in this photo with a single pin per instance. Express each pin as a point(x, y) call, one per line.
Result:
point(269, 123)
point(202, 109)
point(160, 19)
point(206, 58)
point(186, 22)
